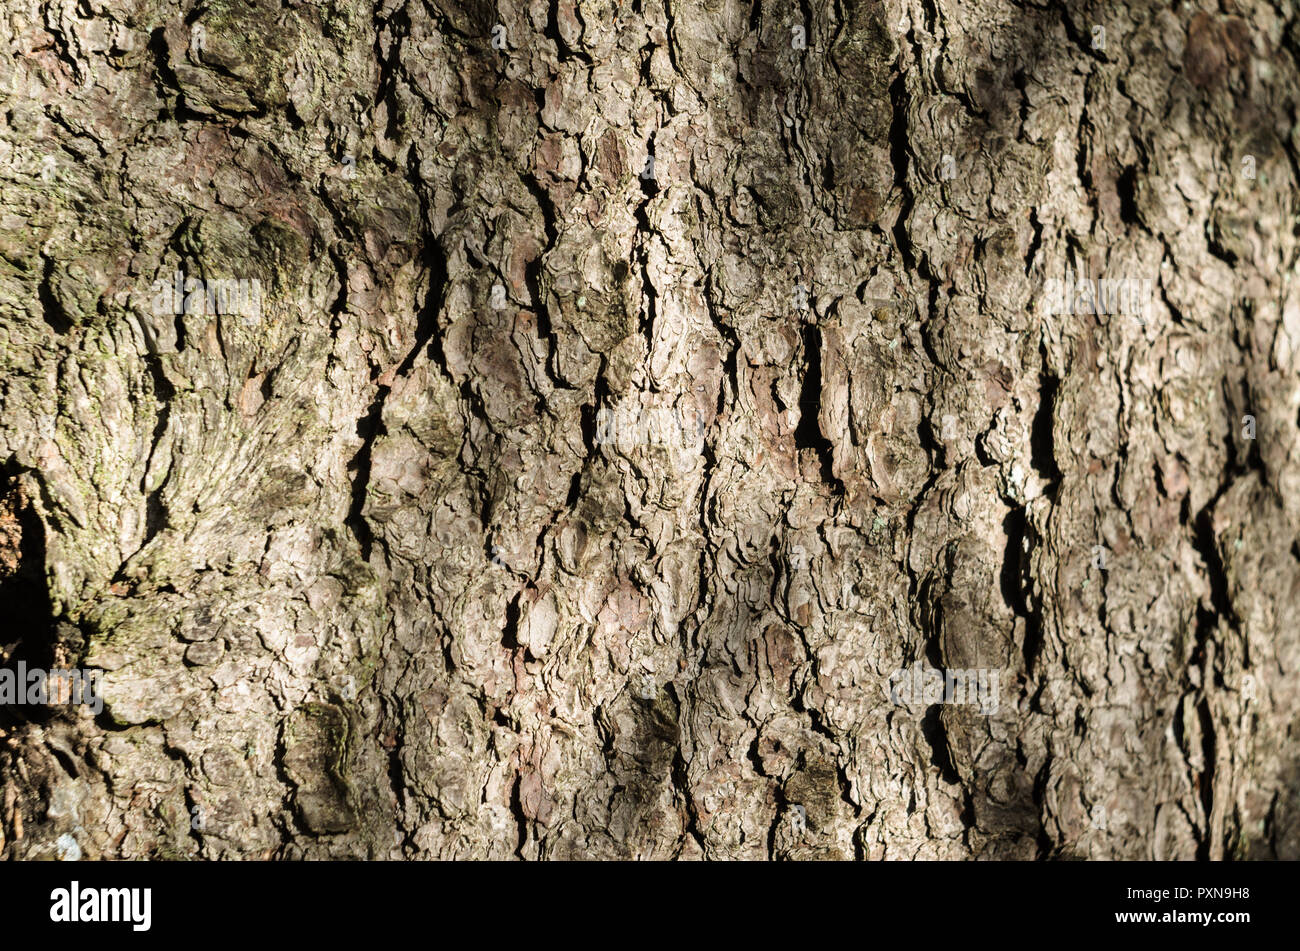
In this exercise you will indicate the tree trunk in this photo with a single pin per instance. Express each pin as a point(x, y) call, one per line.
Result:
point(652, 429)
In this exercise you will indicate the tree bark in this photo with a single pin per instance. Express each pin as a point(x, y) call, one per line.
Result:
point(637, 393)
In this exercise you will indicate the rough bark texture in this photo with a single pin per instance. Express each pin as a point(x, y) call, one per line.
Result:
point(562, 503)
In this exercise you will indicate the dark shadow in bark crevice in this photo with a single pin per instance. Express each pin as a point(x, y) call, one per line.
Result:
point(24, 598)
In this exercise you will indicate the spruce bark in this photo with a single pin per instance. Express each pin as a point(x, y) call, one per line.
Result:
point(635, 390)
